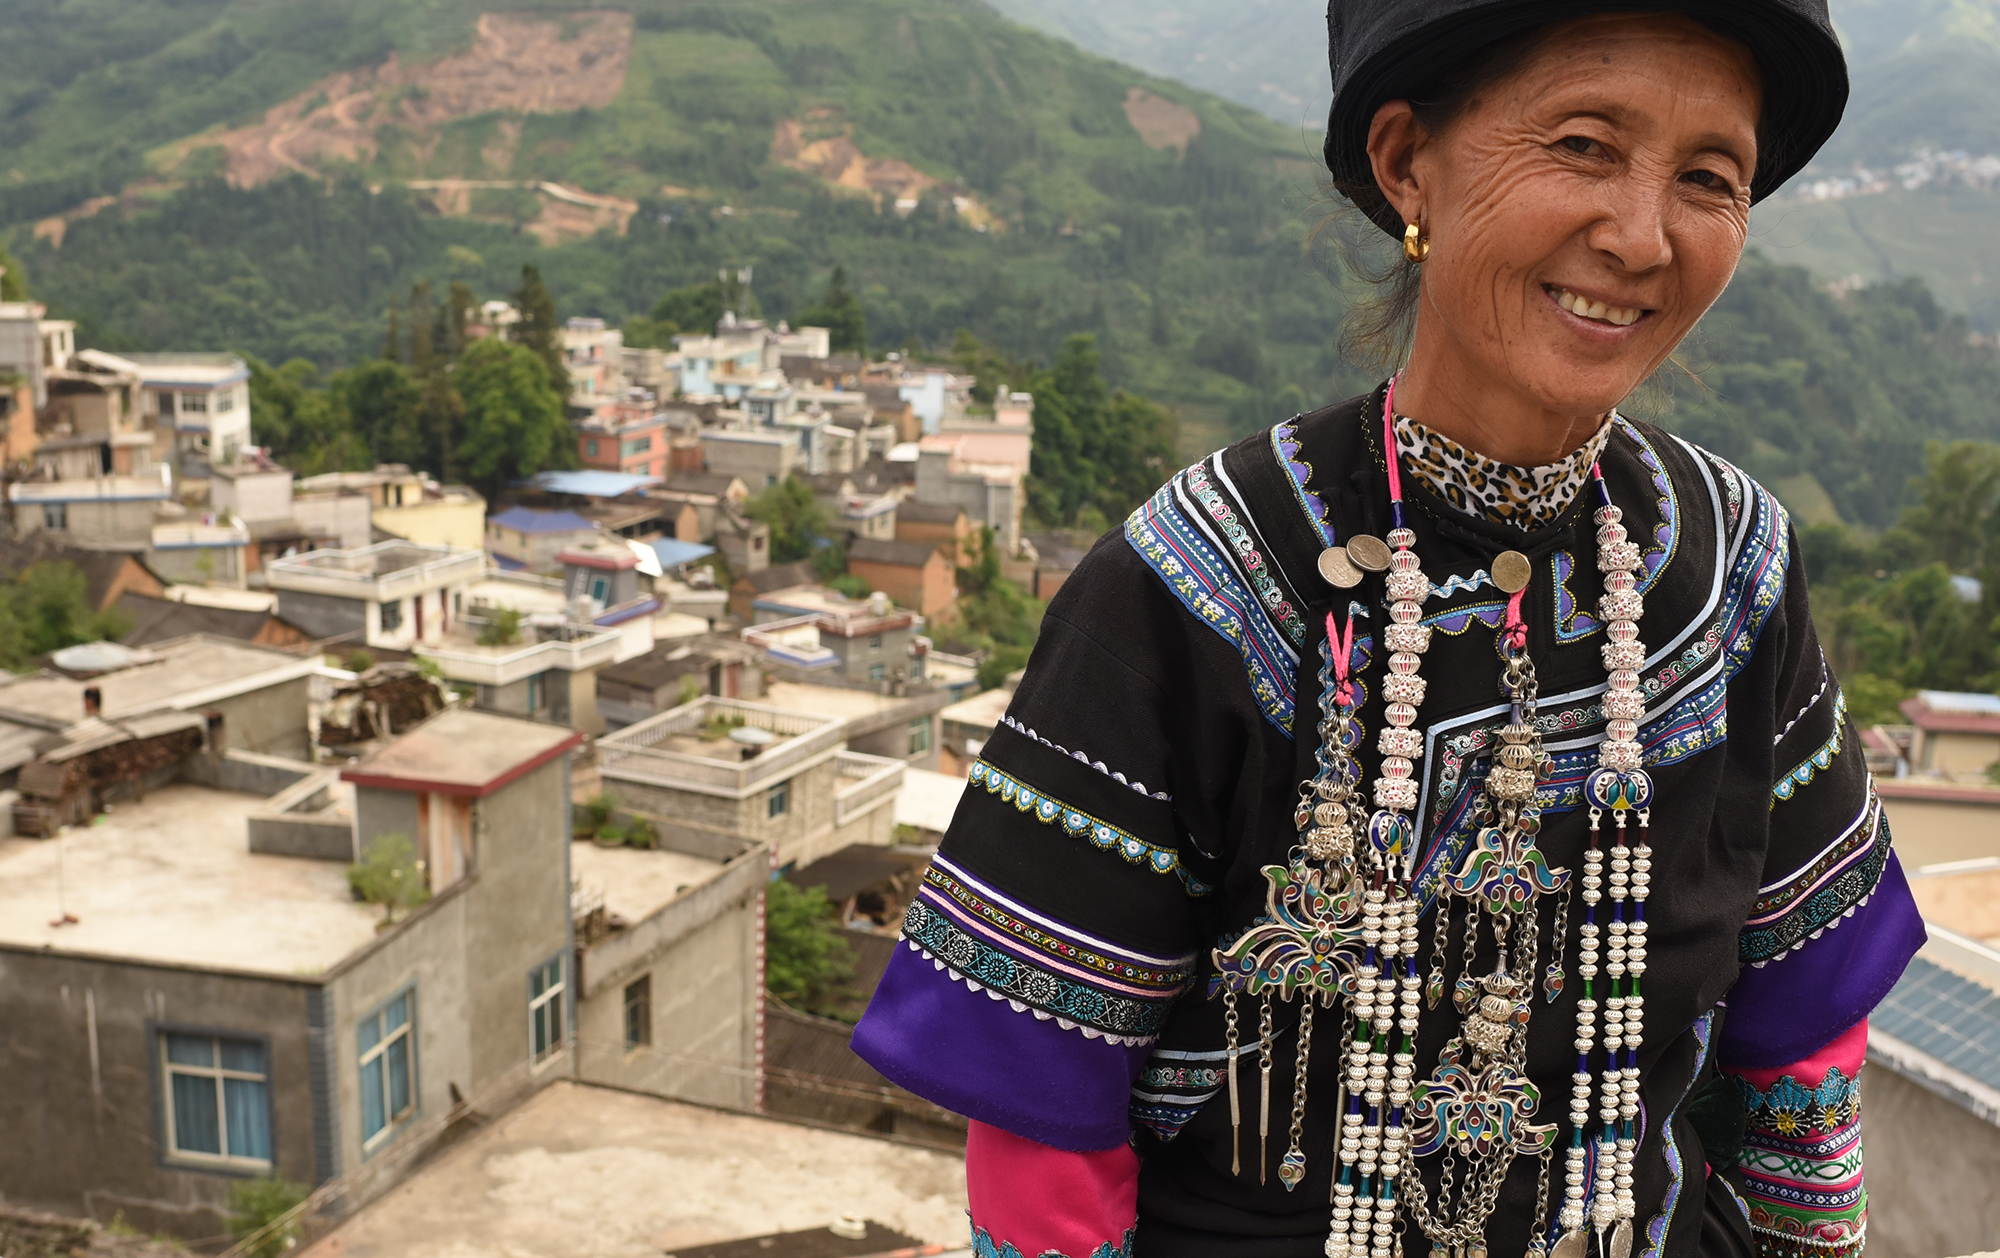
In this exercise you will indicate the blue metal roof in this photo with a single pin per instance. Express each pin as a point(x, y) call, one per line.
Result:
point(593, 483)
point(674, 553)
point(1946, 1015)
point(528, 520)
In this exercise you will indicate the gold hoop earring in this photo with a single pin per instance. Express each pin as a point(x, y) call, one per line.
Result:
point(1416, 245)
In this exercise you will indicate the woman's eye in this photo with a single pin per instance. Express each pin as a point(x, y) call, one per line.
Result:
point(1705, 179)
point(1581, 144)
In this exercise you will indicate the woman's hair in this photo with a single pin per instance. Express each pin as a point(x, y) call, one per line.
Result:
point(1376, 329)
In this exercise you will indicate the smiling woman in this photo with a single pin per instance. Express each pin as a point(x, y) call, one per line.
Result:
point(1484, 737)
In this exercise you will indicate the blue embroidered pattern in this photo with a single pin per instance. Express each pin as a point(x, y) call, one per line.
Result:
point(1822, 758)
point(1285, 445)
point(1054, 812)
point(1656, 1228)
point(983, 1246)
point(1209, 588)
point(1072, 1003)
point(1798, 906)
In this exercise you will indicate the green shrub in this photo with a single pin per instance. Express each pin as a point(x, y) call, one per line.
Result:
point(502, 628)
point(390, 875)
point(807, 961)
point(257, 1204)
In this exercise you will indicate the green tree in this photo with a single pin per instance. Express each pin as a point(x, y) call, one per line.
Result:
point(807, 961)
point(257, 1214)
point(51, 604)
point(303, 422)
point(381, 399)
point(13, 280)
point(839, 312)
point(514, 424)
point(798, 522)
point(389, 874)
point(539, 328)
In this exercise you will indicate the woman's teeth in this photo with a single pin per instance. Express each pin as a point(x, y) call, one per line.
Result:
point(1584, 308)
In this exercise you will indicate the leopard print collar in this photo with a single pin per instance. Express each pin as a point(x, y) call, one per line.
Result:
point(1525, 498)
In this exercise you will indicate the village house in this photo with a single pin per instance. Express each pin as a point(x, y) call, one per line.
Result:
point(402, 503)
point(917, 575)
point(531, 538)
point(202, 400)
point(750, 587)
point(761, 457)
point(628, 437)
point(943, 525)
point(396, 595)
point(1957, 734)
point(693, 501)
point(980, 463)
point(745, 543)
point(594, 356)
point(107, 574)
point(162, 619)
point(859, 641)
point(717, 774)
point(676, 672)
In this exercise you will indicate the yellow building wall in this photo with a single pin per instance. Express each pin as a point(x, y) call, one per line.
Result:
point(459, 524)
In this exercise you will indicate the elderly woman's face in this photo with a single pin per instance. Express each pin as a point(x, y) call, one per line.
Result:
point(1587, 209)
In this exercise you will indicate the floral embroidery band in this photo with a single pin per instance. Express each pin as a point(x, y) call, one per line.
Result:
point(1054, 812)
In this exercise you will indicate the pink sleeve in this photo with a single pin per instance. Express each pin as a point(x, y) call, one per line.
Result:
point(1029, 1200)
point(1802, 1152)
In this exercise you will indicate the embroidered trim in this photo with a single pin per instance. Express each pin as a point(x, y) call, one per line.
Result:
point(1043, 941)
point(1162, 860)
point(1790, 1109)
point(983, 1246)
point(1789, 784)
point(1825, 680)
point(1080, 758)
point(1208, 587)
point(1028, 988)
point(1656, 1227)
point(1286, 446)
point(1796, 908)
point(1251, 559)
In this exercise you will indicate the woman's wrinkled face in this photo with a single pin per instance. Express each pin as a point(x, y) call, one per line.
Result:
point(1584, 211)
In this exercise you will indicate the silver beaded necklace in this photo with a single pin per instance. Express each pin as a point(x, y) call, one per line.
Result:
point(1341, 931)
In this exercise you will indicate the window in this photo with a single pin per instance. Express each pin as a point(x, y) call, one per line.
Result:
point(638, 445)
point(166, 403)
point(534, 694)
point(196, 402)
point(55, 516)
point(780, 800)
point(876, 672)
point(218, 1099)
point(225, 401)
point(639, 1013)
point(875, 643)
point(392, 616)
point(600, 589)
point(545, 1010)
point(920, 735)
point(388, 1067)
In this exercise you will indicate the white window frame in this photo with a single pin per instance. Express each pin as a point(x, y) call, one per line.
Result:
point(55, 517)
point(392, 1121)
point(218, 1072)
point(547, 1004)
point(194, 403)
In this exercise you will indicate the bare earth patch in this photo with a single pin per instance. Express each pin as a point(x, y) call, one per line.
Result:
point(820, 144)
point(1161, 123)
point(517, 64)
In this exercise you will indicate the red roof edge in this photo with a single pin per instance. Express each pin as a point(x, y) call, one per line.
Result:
point(391, 782)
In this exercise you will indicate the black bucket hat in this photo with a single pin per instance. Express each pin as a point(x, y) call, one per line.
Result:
point(1383, 50)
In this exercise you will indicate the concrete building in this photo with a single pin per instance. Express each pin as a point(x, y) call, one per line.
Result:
point(1957, 734)
point(900, 725)
point(629, 437)
point(531, 538)
point(760, 457)
point(917, 575)
point(716, 774)
point(943, 525)
point(397, 595)
point(811, 628)
point(594, 355)
point(743, 595)
point(703, 494)
point(966, 726)
point(403, 504)
point(745, 543)
point(203, 400)
point(163, 619)
point(251, 699)
point(24, 354)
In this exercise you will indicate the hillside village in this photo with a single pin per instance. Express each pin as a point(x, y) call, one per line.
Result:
point(370, 760)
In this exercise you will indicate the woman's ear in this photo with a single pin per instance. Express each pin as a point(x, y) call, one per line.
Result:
point(1393, 136)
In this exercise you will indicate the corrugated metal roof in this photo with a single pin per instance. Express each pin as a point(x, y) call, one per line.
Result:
point(590, 483)
point(1947, 1016)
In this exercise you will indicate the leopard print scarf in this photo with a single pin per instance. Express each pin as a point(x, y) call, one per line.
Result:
point(1524, 497)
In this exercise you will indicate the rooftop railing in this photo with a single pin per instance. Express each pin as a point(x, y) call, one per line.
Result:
point(864, 781)
point(638, 753)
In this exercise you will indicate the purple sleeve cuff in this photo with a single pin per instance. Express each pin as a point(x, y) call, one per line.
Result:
point(976, 1055)
point(1796, 1004)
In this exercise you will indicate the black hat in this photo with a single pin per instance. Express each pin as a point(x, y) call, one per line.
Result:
point(1382, 50)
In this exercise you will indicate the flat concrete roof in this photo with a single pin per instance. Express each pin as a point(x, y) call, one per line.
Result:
point(982, 710)
point(172, 879)
point(462, 752)
point(637, 884)
point(829, 700)
point(184, 673)
point(584, 1172)
point(928, 799)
